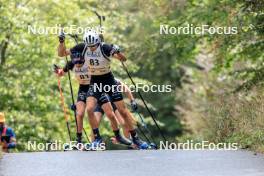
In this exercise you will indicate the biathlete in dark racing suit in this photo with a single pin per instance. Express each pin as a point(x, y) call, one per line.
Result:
point(80, 68)
point(98, 56)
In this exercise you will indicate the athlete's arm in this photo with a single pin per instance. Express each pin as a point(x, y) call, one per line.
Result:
point(62, 51)
point(127, 91)
point(120, 56)
point(65, 69)
point(114, 51)
point(68, 66)
point(61, 71)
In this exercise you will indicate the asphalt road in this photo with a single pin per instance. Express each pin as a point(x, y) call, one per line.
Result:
point(133, 163)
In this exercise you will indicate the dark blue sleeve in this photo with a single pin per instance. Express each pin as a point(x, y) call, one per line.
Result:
point(110, 49)
point(68, 66)
point(10, 132)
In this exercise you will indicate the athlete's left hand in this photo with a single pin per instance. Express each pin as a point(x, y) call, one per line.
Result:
point(55, 68)
point(134, 106)
point(73, 107)
point(120, 57)
point(61, 37)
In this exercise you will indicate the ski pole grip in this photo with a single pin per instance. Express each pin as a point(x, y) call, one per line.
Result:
point(55, 68)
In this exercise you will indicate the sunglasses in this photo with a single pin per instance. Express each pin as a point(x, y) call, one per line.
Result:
point(91, 46)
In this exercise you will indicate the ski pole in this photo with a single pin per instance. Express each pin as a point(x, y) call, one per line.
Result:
point(145, 126)
point(143, 133)
point(64, 110)
point(75, 37)
point(71, 90)
point(153, 145)
point(144, 102)
point(101, 18)
point(86, 136)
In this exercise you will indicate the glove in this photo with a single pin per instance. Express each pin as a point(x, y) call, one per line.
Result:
point(134, 106)
point(55, 68)
point(61, 37)
point(73, 107)
point(115, 50)
point(59, 71)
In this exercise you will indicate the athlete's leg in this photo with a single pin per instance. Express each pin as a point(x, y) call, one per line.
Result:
point(90, 106)
point(126, 131)
point(123, 124)
point(119, 118)
point(127, 116)
point(117, 99)
point(80, 110)
point(98, 118)
point(110, 115)
point(108, 110)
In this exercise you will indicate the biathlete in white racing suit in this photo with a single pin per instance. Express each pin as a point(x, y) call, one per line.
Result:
point(80, 69)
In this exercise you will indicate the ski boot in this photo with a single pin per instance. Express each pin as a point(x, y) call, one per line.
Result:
point(141, 145)
point(121, 140)
point(96, 144)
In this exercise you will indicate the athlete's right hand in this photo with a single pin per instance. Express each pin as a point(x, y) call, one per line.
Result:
point(61, 37)
point(59, 71)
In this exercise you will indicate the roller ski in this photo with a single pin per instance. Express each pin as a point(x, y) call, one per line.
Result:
point(120, 140)
point(139, 144)
point(142, 145)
